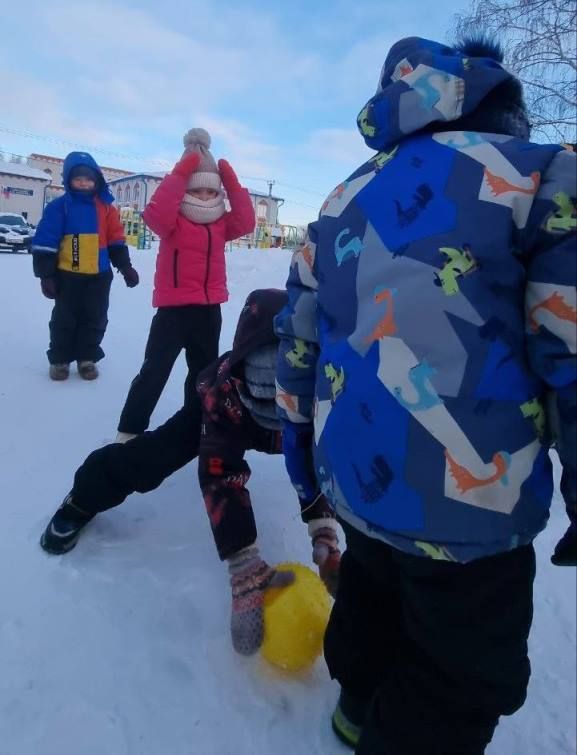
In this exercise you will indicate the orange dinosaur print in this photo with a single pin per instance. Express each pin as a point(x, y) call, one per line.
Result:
point(335, 194)
point(467, 481)
point(500, 185)
point(555, 304)
point(307, 255)
point(288, 400)
point(386, 326)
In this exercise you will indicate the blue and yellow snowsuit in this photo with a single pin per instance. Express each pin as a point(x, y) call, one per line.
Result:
point(77, 239)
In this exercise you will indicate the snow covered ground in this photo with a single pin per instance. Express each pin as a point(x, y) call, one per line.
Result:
point(122, 647)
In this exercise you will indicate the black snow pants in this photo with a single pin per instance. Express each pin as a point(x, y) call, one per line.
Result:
point(110, 474)
point(194, 328)
point(437, 650)
point(79, 317)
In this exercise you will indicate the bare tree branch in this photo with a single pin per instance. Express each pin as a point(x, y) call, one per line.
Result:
point(539, 40)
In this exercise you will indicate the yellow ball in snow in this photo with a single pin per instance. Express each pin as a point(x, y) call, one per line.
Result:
point(295, 619)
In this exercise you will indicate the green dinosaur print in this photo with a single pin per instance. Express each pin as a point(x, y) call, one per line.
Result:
point(459, 262)
point(436, 552)
point(364, 125)
point(295, 357)
point(383, 158)
point(336, 378)
point(565, 216)
point(534, 410)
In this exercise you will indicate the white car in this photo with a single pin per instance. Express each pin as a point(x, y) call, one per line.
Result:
point(15, 233)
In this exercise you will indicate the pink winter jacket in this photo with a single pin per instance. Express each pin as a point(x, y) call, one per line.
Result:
point(190, 267)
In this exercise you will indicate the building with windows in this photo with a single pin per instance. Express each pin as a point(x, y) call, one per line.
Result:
point(266, 207)
point(23, 190)
point(52, 167)
point(135, 190)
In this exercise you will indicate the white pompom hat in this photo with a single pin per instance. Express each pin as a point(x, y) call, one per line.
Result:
point(206, 176)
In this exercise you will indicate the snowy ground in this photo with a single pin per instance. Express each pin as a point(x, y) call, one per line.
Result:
point(122, 647)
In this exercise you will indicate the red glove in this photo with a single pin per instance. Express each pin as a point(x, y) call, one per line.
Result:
point(326, 553)
point(130, 276)
point(228, 177)
point(48, 286)
point(187, 164)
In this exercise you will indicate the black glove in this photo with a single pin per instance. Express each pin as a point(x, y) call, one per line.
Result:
point(48, 286)
point(130, 276)
point(566, 549)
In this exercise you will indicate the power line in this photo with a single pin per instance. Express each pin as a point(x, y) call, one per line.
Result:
point(164, 163)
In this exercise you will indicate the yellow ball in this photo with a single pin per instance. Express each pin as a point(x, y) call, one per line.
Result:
point(295, 619)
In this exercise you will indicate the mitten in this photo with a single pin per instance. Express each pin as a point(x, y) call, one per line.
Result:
point(566, 549)
point(48, 286)
point(326, 553)
point(250, 577)
point(130, 276)
point(228, 177)
point(187, 164)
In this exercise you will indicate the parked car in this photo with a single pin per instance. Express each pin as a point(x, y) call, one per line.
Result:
point(15, 233)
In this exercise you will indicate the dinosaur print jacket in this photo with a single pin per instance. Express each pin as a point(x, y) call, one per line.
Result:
point(431, 311)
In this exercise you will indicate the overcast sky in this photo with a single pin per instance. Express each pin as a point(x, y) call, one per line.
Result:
point(277, 85)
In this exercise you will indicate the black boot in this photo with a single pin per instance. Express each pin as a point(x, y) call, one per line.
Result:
point(63, 530)
point(348, 718)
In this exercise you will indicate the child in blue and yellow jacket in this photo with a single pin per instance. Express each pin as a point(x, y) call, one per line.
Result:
point(78, 237)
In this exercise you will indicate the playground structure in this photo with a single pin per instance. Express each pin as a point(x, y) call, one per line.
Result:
point(135, 230)
point(265, 235)
point(280, 236)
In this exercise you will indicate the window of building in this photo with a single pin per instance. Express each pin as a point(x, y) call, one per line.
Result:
point(136, 192)
point(119, 194)
point(261, 210)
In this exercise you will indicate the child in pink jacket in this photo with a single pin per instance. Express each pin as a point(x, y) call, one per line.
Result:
point(187, 212)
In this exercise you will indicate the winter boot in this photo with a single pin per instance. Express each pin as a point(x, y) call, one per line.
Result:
point(347, 720)
point(87, 370)
point(59, 371)
point(124, 437)
point(64, 528)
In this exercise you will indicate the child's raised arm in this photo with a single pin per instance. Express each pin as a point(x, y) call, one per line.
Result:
point(161, 212)
point(241, 219)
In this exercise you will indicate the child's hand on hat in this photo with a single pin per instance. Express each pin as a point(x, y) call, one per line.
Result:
point(228, 177)
point(187, 164)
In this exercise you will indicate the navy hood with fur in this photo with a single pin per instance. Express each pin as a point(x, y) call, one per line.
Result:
point(428, 86)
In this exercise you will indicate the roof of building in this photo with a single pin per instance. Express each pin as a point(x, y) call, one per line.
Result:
point(24, 171)
point(60, 160)
point(147, 174)
point(163, 173)
point(257, 193)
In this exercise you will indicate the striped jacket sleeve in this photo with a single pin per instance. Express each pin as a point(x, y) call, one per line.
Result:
point(296, 327)
point(551, 308)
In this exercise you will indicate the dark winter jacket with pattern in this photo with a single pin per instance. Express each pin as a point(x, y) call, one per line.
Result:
point(229, 430)
point(431, 309)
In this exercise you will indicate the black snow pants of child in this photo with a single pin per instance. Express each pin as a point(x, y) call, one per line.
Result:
point(110, 474)
point(79, 317)
point(194, 328)
point(438, 650)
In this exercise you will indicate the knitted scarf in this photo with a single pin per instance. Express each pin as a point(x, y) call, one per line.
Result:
point(202, 212)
